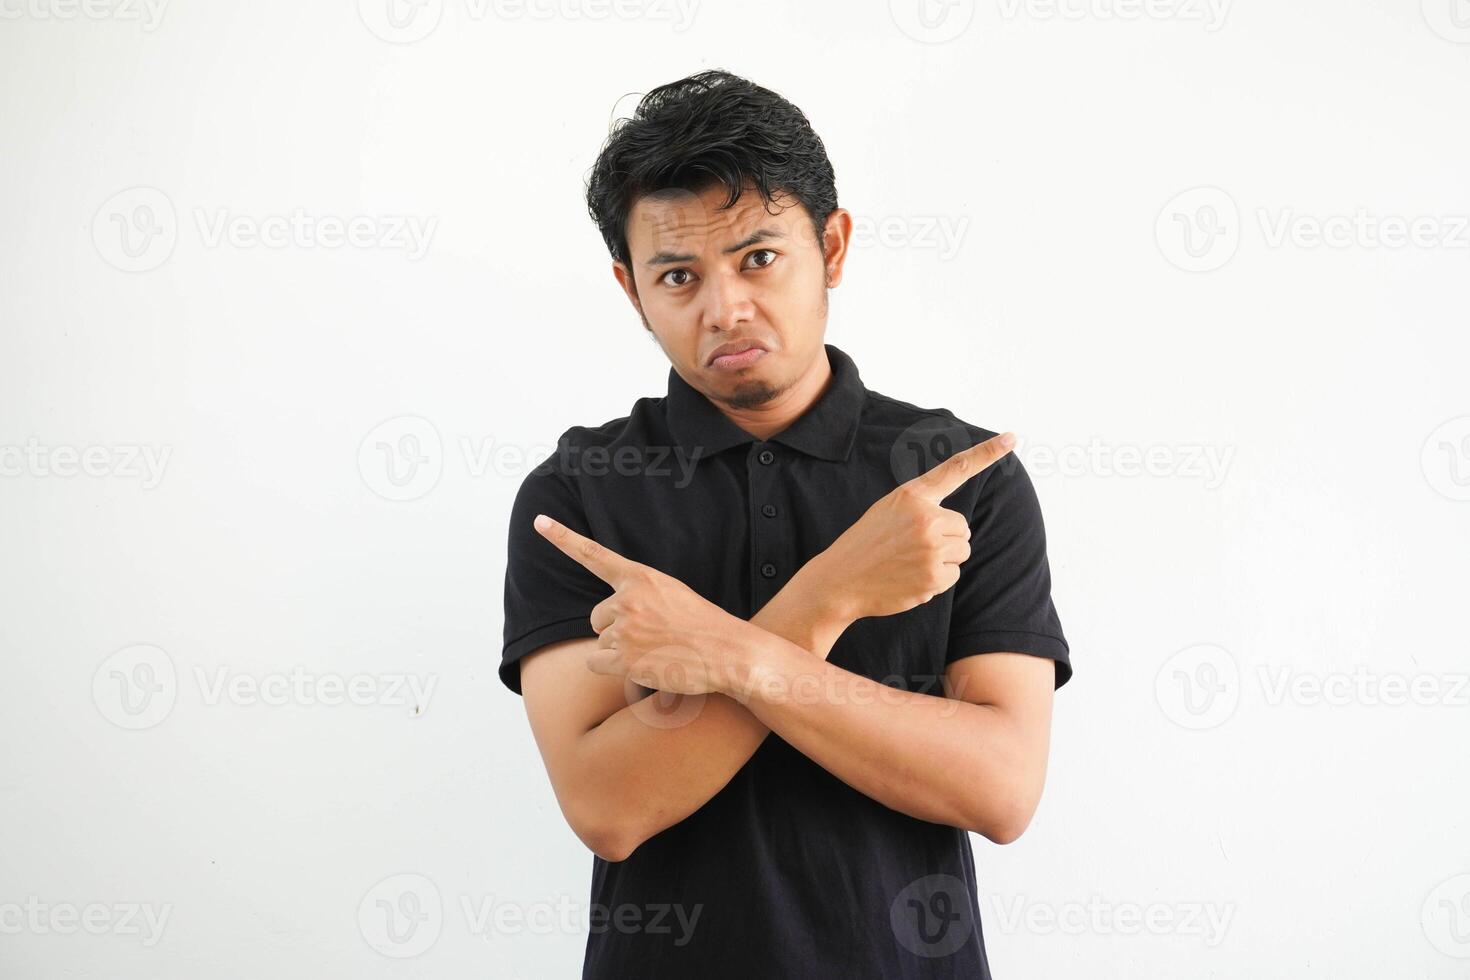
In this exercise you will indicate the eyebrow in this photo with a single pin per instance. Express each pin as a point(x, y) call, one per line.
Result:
point(755, 238)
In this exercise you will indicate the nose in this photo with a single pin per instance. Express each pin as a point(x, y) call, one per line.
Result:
point(727, 301)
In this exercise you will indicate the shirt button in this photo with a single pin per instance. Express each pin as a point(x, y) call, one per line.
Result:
point(769, 510)
point(768, 570)
point(766, 457)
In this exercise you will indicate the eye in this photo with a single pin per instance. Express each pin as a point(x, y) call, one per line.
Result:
point(675, 272)
point(763, 251)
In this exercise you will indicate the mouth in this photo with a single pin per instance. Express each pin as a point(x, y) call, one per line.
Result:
point(736, 355)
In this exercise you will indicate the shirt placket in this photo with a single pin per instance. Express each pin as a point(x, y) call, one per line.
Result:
point(769, 533)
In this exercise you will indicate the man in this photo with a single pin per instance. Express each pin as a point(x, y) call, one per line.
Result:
point(782, 641)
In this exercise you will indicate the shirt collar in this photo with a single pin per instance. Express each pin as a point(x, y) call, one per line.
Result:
point(826, 430)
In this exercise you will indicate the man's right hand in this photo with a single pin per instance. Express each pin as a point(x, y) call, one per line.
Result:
point(907, 548)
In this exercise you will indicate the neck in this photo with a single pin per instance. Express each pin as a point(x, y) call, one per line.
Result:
point(766, 420)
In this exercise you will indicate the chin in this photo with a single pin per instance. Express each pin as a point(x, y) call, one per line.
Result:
point(750, 392)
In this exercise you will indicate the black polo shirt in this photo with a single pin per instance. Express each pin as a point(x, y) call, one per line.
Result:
point(787, 871)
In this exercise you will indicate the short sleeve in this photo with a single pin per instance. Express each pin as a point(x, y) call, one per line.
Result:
point(1003, 598)
point(548, 597)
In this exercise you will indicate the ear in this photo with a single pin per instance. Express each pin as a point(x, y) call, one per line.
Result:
point(835, 237)
point(624, 276)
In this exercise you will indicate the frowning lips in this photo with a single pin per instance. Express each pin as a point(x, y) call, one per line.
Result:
point(735, 347)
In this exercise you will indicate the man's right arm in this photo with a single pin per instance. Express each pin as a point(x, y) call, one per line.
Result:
point(623, 772)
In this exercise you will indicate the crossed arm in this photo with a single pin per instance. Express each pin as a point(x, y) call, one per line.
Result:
point(625, 767)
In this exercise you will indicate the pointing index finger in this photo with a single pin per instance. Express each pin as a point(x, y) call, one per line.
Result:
point(950, 475)
point(598, 559)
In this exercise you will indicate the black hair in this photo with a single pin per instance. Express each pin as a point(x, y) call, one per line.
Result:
point(712, 127)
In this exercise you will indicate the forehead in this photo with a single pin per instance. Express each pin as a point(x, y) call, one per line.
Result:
point(686, 221)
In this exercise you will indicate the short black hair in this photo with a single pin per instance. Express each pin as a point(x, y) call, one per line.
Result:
point(711, 127)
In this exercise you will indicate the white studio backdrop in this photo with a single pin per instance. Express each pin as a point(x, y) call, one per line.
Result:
point(293, 295)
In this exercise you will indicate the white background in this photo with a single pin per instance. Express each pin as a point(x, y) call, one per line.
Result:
point(1233, 748)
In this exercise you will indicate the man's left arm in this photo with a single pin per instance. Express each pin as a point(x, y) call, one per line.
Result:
point(974, 758)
